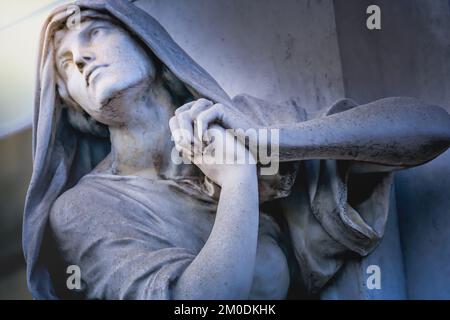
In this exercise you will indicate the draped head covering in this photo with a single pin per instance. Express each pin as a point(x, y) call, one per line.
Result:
point(61, 155)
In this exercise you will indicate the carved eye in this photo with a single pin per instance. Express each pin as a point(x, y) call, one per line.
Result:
point(95, 32)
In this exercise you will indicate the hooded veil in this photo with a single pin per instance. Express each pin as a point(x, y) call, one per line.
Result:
point(322, 223)
point(61, 157)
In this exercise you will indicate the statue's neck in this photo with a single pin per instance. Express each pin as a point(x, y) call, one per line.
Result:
point(142, 146)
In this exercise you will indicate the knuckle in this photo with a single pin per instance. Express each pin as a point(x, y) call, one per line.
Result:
point(201, 116)
point(185, 132)
point(172, 122)
point(217, 107)
point(178, 148)
point(202, 102)
point(183, 108)
point(184, 116)
point(179, 110)
point(194, 110)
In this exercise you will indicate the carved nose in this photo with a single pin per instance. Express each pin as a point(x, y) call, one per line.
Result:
point(83, 60)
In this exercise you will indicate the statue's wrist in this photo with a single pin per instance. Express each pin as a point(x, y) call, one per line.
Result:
point(245, 174)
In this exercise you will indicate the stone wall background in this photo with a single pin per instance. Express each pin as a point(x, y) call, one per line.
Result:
point(410, 56)
point(270, 49)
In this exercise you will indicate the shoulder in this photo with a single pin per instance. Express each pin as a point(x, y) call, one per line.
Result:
point(77, 205)
point(67, 203)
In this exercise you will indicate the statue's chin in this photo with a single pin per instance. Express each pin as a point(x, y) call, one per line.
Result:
point(112, 99)
point(115, 90)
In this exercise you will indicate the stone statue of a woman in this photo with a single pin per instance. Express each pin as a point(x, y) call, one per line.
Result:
point(107, 197)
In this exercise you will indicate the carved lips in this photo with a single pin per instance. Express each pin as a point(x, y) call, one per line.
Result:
point(91, 72)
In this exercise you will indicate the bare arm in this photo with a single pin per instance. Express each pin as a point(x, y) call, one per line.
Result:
point(383, 135)
point(397, 132)
point(224, 267)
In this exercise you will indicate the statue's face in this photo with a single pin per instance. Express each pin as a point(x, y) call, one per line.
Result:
point(99, 63)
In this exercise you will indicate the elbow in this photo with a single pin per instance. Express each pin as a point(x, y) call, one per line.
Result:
point(440, 127)
point(434, 128)
point(436, 139)
point(429, 134)
point(432, 120)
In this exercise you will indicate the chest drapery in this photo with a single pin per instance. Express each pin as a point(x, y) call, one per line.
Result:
point(133, 237)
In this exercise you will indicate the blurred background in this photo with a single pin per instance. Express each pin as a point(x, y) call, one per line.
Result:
point(314, 51)
point(20, 23)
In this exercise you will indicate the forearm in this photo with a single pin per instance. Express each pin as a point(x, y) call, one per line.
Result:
point(224, 267)
point(394, 132)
